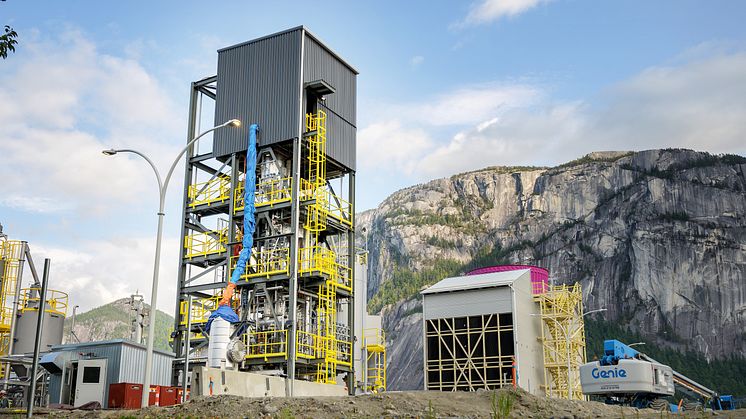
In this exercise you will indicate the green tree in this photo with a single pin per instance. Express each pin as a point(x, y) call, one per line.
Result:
point(8, 41)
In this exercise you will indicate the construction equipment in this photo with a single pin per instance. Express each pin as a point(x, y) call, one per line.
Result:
point(626, 376)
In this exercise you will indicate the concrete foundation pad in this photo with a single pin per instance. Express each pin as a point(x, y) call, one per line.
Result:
point(216, 381)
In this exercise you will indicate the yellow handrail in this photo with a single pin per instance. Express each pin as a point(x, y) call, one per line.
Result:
point(266, 344)
point(214, 190)
point(56, 301)
point(204, 244)
point(265, 263)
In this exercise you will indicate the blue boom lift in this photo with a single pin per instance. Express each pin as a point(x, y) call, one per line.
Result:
point(626, 376)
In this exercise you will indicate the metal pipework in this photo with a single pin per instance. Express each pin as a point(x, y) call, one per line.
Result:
point(37, 342)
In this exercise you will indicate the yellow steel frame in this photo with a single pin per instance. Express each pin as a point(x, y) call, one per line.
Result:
point(11, 253)
point(563, 340)
point(267, 344)
point(316, 124)
point(265, 263)
point(216, 190)
point(271, 193)
point(56, 301)
point(326, 372)
point(375, 348)
point(204, 244)
point(336, 207)
point(318, 259)
point(201, 309)
point(307, 345)
point(273, 343)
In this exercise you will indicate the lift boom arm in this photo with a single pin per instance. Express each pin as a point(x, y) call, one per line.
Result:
point(615, 350)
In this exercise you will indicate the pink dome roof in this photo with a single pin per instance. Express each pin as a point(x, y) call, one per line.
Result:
point(539, 276)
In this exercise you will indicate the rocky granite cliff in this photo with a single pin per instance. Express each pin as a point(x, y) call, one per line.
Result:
point(657, 237)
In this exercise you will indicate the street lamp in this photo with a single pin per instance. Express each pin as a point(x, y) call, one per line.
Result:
point(567, 346)
point(162, 186)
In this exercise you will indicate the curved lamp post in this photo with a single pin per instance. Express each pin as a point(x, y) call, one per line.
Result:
point(162, 186)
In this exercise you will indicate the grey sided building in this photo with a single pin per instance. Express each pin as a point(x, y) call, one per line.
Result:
point(82, 372)
point(476, 326)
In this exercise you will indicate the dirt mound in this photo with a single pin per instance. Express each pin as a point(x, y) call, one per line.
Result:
point(417, 404)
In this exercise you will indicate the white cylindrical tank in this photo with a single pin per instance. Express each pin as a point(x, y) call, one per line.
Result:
point(217, 348)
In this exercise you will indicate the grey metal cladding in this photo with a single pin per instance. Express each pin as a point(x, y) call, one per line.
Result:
point(340, 144)
point(468, 303)
point(258, 82)
point(319, 63)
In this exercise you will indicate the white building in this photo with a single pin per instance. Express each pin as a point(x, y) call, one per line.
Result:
point(477, 326)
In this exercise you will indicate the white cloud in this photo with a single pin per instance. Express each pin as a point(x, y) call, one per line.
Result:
point(416, 61)
point(390, 146)
point(695, 104)
point(36, 204)
point(61, 103)
point(486, 11)
point(98, 272)
point(469, 105)
point(524, 136)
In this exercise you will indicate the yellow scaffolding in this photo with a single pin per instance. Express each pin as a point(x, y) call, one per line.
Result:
point(265, 263)
point(11, 255)
point(320, 260)
point(266, 344)
point(316, 127)
point(200, 310)
point(563, 340)
point(315, 260)
point(327, 318)
point(205, 244)
point(214, 191)
point(271, 193)
point(375, 348)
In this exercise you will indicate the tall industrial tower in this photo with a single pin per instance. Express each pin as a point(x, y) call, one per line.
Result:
point(295, 298)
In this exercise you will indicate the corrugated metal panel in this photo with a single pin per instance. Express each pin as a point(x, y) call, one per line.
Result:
point(125, 363)
point(132, 365)
point(55, 388)
point(258, 82)
point(467, 303)
point(341, 137)
point(321, 64)
point(493, 279)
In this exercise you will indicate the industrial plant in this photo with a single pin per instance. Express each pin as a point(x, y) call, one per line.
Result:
point(272, 289)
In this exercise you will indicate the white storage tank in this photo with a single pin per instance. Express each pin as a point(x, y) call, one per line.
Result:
point(217, 348)
point(54, 314)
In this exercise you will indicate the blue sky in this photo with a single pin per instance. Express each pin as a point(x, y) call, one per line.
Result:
point(444, 87)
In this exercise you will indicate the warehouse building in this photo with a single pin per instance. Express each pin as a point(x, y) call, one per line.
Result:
point(82, 372)
point(482, 330)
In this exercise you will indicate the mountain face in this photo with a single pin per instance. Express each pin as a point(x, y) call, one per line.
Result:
point(114, 321)
point(658, 238)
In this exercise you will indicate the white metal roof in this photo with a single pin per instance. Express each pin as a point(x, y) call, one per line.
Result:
point(489, 280)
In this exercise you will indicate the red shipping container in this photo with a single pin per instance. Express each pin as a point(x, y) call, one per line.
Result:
point(155, 396)
point(169, 396)
point(125, 396)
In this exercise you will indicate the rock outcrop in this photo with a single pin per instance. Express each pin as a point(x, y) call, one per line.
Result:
point(656, 237)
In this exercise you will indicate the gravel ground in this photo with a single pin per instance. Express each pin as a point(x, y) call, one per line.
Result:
point(419, 404)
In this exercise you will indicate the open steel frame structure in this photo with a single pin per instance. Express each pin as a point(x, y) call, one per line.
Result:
point(295, 298)
point(563, 340)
